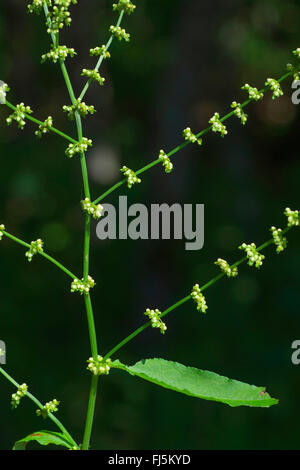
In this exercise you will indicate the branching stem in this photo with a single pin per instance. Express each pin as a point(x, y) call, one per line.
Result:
point(185, 299)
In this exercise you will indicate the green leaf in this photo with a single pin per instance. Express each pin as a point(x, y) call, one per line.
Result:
point(44, 438)
point(199, 383)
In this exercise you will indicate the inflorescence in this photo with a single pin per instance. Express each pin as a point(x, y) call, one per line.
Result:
point(293, 217)
point(80, 106)
point(238, 111)
point(50, 407)
point(58, 53)
point(296, 52)
point(99, 366)
point(253, 93)
point(16, 397)
point(226, 268)
point(82, 286)
point(254, 257)
point(131, 176)
point(95, 210)
point(217, 125)
point(93, 74)
point(156, 322)
point(35, 248)
point(4, 88)
point(45, 127)
point(2, 228)
point(167, 164)
point(100, 51)
point(190, 137)
point(119, 33)
point(199, 298)
point(124, 5)
point(275, 86)
point(79, 147)
point(58, 16)
point(279, 240)
point(19, 115)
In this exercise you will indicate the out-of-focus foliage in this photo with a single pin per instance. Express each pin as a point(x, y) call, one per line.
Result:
point(186, 60)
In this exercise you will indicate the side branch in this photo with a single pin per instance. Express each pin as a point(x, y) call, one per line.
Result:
point(40, 406)
point(187, 298)
point(100, 60)
point(184, 144)
point(40, 123)
point(42, 253)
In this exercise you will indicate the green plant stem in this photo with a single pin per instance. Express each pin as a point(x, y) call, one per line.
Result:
point(88, 303)
point(183, 145)
point(185, 299)
point(40, 123)
point(49, 258)
point(40, 406)
point(90, 413)
point(108, 44)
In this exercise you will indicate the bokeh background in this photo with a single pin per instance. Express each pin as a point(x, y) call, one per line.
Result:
point(186, 60)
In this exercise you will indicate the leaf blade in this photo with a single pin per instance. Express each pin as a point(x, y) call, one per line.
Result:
point(200, 383)
point(44, 438)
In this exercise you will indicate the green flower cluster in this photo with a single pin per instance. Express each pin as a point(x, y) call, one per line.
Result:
point(199, 298)
point(124, 5)
point(2, 228)
point(119, 33)
point(45, 127)
point(100, 51)
point(35, 248)
point(294, 70)
point(79, 147)
point(37, 5)
point(156, 322)
point(93, 74)
point(217, 125)
point(19, 115)
point(82, 286)
point(131, 176)
point(4, 88)
point(58, 53)
point(225, 267)
point(238, 111)
point(58, 16)
point(254, 257)
point(50, 407)
point(95, 210)
point(190, 137)
point(167, 164)
point(253, 93)
point(99, 366)
point(16, 397)
point(275, 86)
point(80, 106)
point(293, 217)
point(296, 52)
point(279, 240)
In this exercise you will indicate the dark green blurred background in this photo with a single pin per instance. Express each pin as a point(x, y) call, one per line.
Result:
point(186, 60)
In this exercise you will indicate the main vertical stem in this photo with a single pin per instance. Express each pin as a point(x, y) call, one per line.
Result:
point(86, 260)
